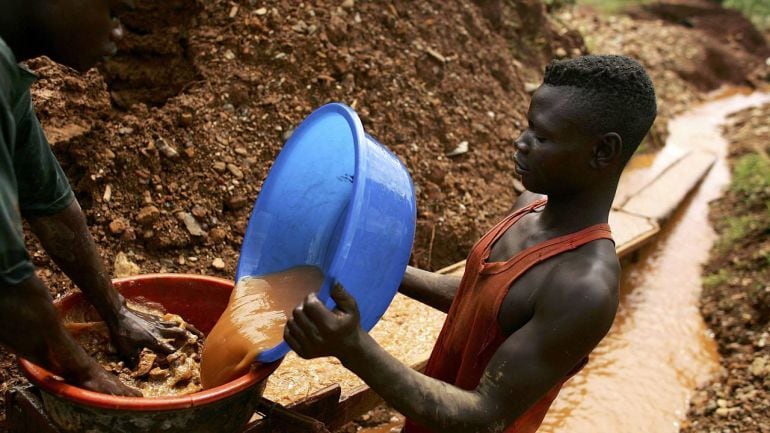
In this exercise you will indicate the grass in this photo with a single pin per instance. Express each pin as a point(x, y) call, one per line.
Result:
point(751, 175)
point(716, 279)
point(758, 11)
point(750, 185)
point(611, 6)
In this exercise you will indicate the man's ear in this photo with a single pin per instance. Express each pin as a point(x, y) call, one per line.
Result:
point(607, 150)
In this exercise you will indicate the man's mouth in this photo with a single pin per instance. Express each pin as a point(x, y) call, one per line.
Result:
point(520, 168)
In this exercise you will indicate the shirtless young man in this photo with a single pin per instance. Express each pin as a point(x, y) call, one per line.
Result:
point(540, 290)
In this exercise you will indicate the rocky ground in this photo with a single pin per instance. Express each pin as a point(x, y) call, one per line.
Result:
point(736, 297)
point(167, 144)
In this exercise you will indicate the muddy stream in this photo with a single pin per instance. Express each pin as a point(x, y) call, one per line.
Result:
point(659, 350)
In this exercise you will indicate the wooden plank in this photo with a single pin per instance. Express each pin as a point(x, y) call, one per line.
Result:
point(660, 198)
point(631, 231)
point(280, 419)
point(455, 269)
point(25, 413)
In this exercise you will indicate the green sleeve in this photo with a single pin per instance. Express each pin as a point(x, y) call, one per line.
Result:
point(43, 188)
point(15, 265)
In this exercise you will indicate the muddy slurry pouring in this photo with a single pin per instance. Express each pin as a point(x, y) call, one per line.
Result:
point(253, 321)
point(336, 207)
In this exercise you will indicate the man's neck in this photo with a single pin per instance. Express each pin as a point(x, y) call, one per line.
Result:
point(572, 212)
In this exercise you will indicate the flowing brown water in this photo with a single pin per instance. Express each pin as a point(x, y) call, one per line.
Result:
point(658, 351)
point(253, 321)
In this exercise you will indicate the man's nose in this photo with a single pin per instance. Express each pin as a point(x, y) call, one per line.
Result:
point(520, 143)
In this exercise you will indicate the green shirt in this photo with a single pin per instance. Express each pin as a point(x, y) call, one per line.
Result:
point(31, 181)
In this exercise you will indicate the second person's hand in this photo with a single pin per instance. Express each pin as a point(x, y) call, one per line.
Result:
point(314, 331)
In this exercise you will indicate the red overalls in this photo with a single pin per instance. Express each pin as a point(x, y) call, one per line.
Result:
point(471, 332)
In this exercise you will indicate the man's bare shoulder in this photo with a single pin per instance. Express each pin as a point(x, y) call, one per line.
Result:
point(586, 278)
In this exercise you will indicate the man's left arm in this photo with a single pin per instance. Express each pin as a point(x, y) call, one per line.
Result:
point(66, 238)
point(46, 201)
point(569, 321)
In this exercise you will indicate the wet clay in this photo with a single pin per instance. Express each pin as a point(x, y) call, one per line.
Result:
point(254, 321)
point(155, 374)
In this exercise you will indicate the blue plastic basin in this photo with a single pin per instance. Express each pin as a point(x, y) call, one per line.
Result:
point(337, 199)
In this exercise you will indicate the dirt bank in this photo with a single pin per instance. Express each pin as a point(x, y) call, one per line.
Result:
point(736, 296)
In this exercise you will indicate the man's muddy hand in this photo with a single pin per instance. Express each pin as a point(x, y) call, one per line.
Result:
point(135, 330)
point(314, 331)
point(99, 380)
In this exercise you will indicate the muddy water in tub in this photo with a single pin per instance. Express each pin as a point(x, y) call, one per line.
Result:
point(253, 321)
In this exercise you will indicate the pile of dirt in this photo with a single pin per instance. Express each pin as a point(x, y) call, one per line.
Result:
point(732, 47)
point(736, 298)
point(170, 180)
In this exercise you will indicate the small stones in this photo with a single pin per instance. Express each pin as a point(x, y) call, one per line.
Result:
point(166, 149)
point(235, 202)
point(199, 211)
point(217, 235)
point(235, 171)
point(218, 264)
point(148, 215)
point(219, 167)
point(124, 267)
point(118, 226)
point(459, 150)
point(191, 224)
point(759, 366)
point(107, 196)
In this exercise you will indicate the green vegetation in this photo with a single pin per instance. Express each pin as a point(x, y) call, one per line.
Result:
point(611, 6)
point(751, 175)
point(734, 229)
point(751, 188)
point(716, 279)
point(757, 10)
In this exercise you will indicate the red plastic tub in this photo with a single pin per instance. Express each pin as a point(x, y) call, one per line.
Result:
point(200, 300)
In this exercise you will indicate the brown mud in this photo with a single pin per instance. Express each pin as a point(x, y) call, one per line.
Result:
point(155, 374)
point(253, 321)
point(167, 144)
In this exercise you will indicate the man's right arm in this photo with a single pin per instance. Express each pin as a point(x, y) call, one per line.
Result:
point(30, 326)
point(430, 288)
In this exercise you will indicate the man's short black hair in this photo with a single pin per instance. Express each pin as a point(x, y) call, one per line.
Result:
point(616, 94)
